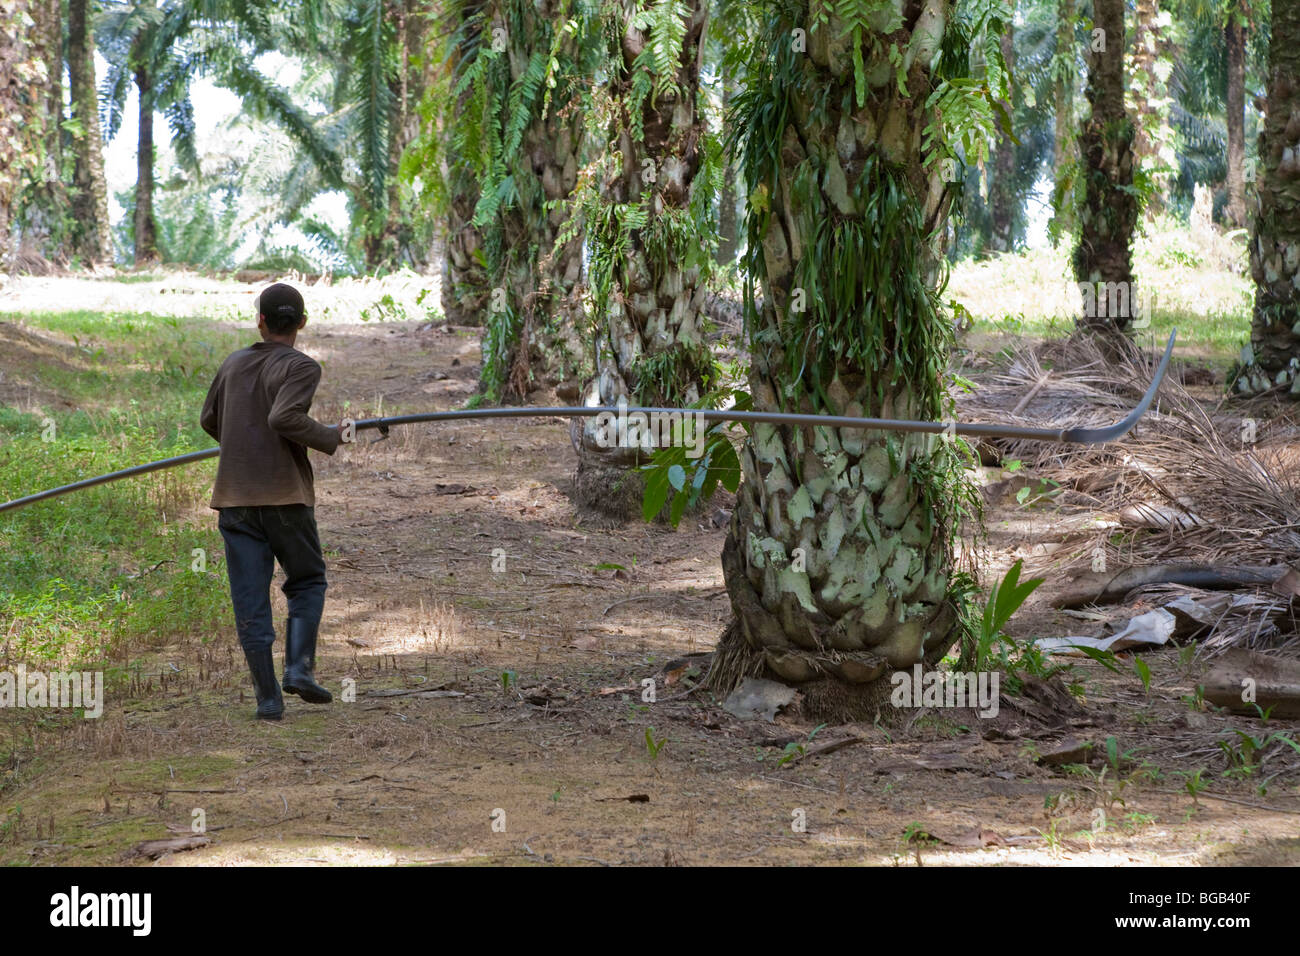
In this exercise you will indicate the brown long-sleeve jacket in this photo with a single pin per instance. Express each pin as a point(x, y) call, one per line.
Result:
point(257, 410)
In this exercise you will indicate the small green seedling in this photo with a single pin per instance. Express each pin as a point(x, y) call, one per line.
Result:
point(653, 746)
point(793, 750)
point(916, 836)
point(1193, 783)
point(1144, 672)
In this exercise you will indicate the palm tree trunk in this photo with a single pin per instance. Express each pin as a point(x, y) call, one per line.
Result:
point(1275, 240)
point(548, 350)
point(392, 242)
point(464, 275)
point(1064, 155)
point(728, 234)
point(52, 26)
point(1108, 215)
point(837, 561)
point(90, 189)
point(464, 281)
point(1234, 37)
point(146, 228)
point(1150, 115)
point(650, 348)
point(45, 221)
point(535, 341)
point(1003, 200)
point(385, 245)
point(19, 69)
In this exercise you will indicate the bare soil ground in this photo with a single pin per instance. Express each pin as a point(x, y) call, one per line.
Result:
point(550, 765)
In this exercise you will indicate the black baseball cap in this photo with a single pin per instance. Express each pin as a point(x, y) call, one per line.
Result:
point(281, 303)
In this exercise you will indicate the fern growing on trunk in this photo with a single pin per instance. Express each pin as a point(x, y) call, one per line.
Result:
point(648, 201)
point(840, 556)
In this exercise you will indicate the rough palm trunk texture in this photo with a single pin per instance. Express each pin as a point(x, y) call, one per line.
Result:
point(45, 205)
point(728, 234)
point(464, 280)
point(1275, 242)
point(546, 285)
point(542, 283)
point(19, 72)
point(1150, 103)
point(1234, 37)
point(1003, 201)
point(91, 235)
point(1063, 95)
point(52, 52)
point(464, 274)
point(384, 244)
point(1109, 211)
point(654, 310)
point(837, 559)
point(392, 242)
point(146, 228)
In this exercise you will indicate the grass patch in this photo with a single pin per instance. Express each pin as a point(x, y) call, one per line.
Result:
point(1200, 283)
point(121, 356)
point(183, 771)
point(82, 576)
point(1216, 338)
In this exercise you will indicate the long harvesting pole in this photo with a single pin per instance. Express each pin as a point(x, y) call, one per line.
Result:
point(1076, 436)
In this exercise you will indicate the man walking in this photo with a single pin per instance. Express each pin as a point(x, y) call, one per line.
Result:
point(265, 497)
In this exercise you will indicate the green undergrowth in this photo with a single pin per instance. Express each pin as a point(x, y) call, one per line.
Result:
point(85, 576)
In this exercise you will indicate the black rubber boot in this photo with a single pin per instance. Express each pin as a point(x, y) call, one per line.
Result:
point(261, 664)
point(300, 662)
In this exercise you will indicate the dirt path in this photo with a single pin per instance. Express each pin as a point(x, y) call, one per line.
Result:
point(498, 712)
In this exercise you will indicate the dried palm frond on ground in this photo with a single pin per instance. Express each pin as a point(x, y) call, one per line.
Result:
point(1182, 486)
point(1027, 393)
point(1221, 620)
point(1200, 482)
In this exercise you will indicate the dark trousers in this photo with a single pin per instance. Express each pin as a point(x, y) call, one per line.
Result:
point(255, 539)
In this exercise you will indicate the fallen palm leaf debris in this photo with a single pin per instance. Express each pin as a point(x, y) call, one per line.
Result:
point(1197, 513)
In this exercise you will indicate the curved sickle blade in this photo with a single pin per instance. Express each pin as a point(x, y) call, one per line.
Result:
point(1078, 436)
point(1095, 436)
